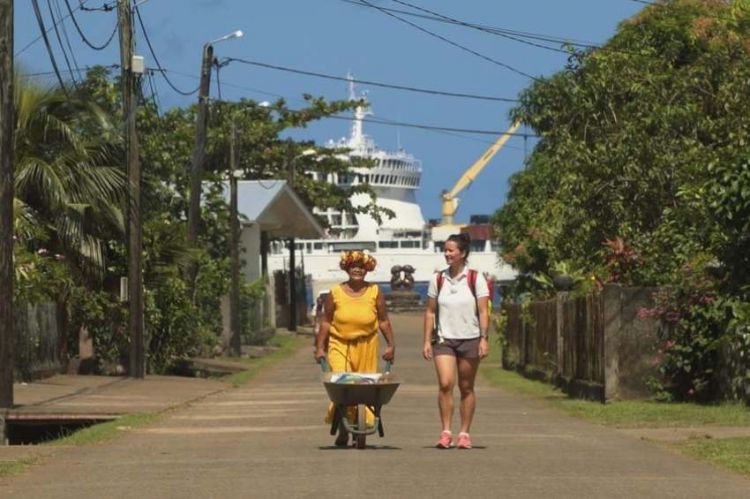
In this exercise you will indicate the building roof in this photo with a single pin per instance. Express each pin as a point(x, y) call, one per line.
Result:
point(278, 210)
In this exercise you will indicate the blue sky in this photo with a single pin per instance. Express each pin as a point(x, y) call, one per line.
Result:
point(337, 37)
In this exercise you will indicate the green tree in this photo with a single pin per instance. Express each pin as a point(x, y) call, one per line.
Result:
point(643, 155)
point(65, 177)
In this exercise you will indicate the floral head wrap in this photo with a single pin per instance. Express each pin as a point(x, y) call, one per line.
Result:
point(359, 258)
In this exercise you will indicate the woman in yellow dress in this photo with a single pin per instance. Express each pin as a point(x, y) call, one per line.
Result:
point(354, 311)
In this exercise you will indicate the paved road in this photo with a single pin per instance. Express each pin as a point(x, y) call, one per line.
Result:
point(268, 440)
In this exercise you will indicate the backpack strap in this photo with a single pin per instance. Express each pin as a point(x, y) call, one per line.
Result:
point(472, 280)
point(435, 327)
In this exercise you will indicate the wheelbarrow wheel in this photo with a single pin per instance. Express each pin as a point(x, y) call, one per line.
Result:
point(361, 439)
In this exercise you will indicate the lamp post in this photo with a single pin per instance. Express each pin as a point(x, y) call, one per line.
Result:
point(199, 152)
point(292, 270)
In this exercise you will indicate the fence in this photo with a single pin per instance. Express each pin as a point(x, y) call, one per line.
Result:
point(37, 347)
point(593, 346)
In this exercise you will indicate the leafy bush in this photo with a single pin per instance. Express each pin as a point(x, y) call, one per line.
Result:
point(173, 326)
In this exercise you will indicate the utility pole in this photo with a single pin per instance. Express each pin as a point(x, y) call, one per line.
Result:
point(199, 157)
point(135, 236)
point(7, 124)
point(235, 343)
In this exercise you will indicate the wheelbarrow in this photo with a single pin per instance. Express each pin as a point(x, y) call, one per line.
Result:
point(364, 390)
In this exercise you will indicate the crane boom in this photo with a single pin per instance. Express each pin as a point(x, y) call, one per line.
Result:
point(450, 201)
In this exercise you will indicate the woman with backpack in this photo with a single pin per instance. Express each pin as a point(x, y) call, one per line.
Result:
point(456, 324)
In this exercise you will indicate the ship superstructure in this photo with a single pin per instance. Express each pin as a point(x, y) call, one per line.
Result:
point(402, 240)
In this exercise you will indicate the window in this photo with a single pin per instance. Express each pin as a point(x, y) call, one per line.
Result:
point(318, 246)
point(388, 244)
point(410, 244)
point(351, 246)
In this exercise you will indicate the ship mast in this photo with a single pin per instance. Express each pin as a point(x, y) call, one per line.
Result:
point(357, 136)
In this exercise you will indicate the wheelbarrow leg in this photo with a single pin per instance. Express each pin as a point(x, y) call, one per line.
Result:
point(380, 420)
point(336, 420)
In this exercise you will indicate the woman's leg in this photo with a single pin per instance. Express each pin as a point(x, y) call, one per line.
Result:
point(339, 362)
point(445, 366)
point(467, 372)
point(363, 355)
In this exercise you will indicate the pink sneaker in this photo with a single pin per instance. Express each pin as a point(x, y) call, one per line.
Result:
point(445, 440)
point(463, 441)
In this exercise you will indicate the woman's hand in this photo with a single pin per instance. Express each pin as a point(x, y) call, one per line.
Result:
point(427, 351)
point(390, 353)
point(319, 354)
point(484, 348)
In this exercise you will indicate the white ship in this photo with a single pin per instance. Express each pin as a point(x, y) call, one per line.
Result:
point(405, 239)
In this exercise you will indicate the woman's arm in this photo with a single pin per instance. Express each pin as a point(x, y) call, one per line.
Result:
point(325, 326)
point(484, 324)
point(385, 328)
point(429, 324)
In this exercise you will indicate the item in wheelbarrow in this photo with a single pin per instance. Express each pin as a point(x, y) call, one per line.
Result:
point(355, 378)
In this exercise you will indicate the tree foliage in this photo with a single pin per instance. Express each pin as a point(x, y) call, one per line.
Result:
point(645, 141)
point(70, 208)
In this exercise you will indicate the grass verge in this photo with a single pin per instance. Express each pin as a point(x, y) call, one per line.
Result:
point(729, 453)
point(16, 466)
point(286, 347)
point(624, 414)
point(106, 432)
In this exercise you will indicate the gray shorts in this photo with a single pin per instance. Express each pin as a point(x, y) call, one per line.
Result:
point(462, 349)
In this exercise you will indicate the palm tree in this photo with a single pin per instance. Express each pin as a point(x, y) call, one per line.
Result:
point(65, 178)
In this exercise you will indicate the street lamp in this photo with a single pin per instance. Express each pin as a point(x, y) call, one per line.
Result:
point(199, 152)
point(292, 264)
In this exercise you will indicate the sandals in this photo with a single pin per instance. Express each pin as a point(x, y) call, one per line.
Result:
point(342, 440)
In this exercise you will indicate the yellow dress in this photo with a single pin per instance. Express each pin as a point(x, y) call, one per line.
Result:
point(353, 338)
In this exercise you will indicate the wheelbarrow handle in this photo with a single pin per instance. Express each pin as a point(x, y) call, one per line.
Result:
point(324, 365)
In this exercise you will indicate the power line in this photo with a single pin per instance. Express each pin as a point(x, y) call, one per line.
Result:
point(32, 42)
point(483, 27)
point(60, 43)
point(503, 32)
point(80, 31)
point(106, 7)
point(40, 22)
point(496, 32)
point(156, 59)
point(381, 121)
point(50, 73)
point(67, 38)
point(154, 94)
point(433, 127)
point(373, 83)
point(450, 42)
